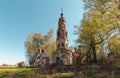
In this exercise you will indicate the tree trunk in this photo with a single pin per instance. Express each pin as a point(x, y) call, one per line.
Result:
point(89, 54)
point(94, 53)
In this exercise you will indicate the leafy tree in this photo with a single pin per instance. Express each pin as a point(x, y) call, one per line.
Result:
point(5, 65)
point(50, 35)
point(99, 22)
point(33, 43)
point(114, 45)
point(50, 46)
point(21, 64)
point(36, 41)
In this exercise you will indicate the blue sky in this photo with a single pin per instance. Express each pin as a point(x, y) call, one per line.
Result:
point(19, 18)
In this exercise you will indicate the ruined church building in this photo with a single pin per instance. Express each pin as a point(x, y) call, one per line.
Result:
point(62, 53)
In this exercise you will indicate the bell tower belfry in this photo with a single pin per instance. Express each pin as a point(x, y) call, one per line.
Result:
point(62, 39)
point(62, 56)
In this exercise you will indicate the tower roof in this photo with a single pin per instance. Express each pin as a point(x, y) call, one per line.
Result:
point(61, 14)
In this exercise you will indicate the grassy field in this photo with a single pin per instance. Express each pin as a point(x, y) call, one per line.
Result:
point(29, 73)
point(36, 73)
point(16, 72)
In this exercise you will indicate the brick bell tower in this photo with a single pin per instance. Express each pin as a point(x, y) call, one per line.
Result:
point(62, 39)
point(63, 55)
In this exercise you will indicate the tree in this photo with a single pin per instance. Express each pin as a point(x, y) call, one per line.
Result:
point(99, 22)
point(36, 41)
point(114, 45)
point(50, 46)
point(50, 35)
point(33, 43)
point(21, 64)
point(5, 65)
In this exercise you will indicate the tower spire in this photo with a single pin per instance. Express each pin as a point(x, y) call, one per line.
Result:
point(61, 12)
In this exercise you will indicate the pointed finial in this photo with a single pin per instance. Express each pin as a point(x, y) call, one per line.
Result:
point(61, 12)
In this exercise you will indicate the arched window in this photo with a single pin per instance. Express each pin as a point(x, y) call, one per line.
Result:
point(58, 46)
point(63, 44)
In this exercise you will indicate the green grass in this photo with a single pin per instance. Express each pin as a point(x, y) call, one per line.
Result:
point(29, 73)
point(35, 73)
point(16, 72)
